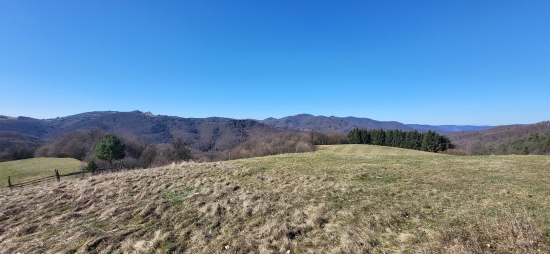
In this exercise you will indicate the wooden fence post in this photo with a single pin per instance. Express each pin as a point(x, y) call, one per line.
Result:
point(57, 175)
point(9, 182)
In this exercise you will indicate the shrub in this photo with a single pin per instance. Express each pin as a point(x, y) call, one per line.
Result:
point(91, 166)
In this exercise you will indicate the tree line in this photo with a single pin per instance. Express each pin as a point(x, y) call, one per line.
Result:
point(138, 153)
point(275, 143)
point(90, 146)
point(429, 141)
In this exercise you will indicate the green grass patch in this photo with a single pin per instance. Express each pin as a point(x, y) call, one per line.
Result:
point(34, 168)
point(373, 177)
point(177, 199)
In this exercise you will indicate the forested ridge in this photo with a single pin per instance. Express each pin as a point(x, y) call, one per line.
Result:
point(429, 141)
point(511, 139)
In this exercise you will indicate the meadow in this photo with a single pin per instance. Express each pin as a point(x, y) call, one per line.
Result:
point(339, 199)
point(29, 169)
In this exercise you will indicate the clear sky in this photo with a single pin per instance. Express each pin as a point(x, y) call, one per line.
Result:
point(427, 62)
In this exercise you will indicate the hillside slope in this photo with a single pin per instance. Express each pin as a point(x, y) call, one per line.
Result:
point(496, 136)
point(321, 202)
point(15, 145)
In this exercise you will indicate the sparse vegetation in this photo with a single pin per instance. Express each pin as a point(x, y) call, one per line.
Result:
point(339, 199)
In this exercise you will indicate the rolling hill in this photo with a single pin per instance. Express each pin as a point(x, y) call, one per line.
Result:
point(340, 199)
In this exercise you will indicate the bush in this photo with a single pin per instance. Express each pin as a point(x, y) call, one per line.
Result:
point(91, 166)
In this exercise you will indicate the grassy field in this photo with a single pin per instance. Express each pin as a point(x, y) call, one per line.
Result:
point(340, 199)
point(28, 169)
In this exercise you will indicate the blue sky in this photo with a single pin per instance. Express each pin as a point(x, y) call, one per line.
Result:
point(426, 62)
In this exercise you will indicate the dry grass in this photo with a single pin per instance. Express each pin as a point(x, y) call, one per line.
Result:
point(340, 199)
point(28, 169)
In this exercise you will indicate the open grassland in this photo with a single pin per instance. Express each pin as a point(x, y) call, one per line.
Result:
point(340, 199)
point(355, 149)
point(28, 169)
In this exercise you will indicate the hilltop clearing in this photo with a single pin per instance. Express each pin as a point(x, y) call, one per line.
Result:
point(357, 149)
point(339, 199)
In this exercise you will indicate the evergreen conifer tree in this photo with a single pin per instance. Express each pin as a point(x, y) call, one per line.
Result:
point(353, 136)
point(110, 148)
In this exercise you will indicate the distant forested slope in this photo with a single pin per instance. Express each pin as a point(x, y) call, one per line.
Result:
point(507, 138)
point(534, 144)
point(304, 122)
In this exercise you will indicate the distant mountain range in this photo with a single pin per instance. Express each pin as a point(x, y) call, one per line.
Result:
point(304, 122)
point(205, 133)
point(449, 128)
point(158, 128)
point(219, 134)
point(214, 133)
